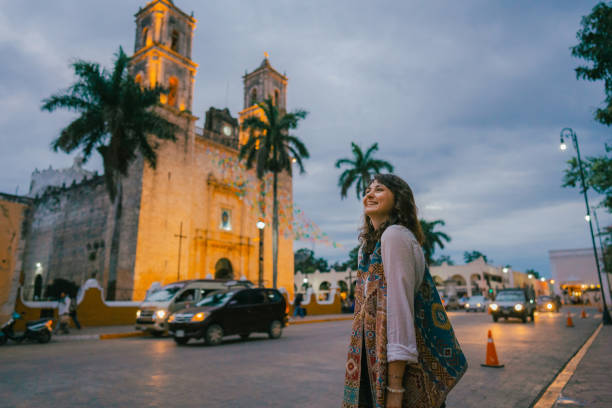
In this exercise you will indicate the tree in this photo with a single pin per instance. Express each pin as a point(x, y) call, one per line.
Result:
point(118, 121)
point(433, 238)
point(533, 272)
point(443, 258)
point(360, 170)
point(595, 43)
point(474, 255)
point(272, 149)
point(352, 262)
point(597, 174)
point(304, 260)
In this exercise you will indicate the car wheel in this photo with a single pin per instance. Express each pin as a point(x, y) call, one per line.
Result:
point(44, 337)
point(495, 318)
point(157, 333)
point(181, 340)
point(245, 336)
point(214, 334)
point(3, 340)
point(275, 330)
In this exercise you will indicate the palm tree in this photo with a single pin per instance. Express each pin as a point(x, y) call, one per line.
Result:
point(433, 238)
point(116, 119)
point(272, 149)
point(360, 170)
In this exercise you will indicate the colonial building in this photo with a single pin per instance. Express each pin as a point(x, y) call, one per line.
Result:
point(194, 216)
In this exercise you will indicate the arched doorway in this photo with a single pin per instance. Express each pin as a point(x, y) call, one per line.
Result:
point(37, 286)
point(223, 269)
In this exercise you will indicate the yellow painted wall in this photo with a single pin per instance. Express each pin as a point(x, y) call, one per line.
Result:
point(11, 218)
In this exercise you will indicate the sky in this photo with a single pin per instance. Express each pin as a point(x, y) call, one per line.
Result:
point(466, 99)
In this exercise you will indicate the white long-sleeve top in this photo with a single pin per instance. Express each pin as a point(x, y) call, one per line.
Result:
point(404, 266)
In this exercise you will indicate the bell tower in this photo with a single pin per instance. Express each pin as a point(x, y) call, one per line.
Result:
point(162, 52)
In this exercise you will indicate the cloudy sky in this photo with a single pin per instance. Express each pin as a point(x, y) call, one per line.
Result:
point(466, 99)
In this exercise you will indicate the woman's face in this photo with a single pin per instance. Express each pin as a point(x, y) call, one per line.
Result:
point(378, 200)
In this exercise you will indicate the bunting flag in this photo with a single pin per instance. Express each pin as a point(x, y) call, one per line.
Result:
point(293, 222)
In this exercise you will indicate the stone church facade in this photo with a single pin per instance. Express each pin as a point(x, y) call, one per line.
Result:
point(194, 216)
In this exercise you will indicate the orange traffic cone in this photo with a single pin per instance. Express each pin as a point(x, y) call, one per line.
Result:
point(491, 354)
point(570, 322)
point(583, 315)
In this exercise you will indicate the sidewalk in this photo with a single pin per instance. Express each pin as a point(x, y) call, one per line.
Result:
point(591, 386)
point(116, 332)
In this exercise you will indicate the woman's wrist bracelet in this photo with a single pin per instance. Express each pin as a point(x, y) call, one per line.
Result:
point(396, 390)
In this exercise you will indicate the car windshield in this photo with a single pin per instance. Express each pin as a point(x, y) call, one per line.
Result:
point(216, 298)
point(510, 297)
point(164, 294)
point(477, 299)
point(544, 298)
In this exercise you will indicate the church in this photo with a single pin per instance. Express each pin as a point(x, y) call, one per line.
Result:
point(195, 216)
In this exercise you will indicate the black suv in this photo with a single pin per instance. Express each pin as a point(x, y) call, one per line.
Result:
point(515, 302)
point(233, 311)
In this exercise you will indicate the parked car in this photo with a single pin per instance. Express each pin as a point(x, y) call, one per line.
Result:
point(222, 313)
point(547, 304)
point(513, 303)
point(153, 313)
point(462, 301)
point(451, 303)
point(476, 304)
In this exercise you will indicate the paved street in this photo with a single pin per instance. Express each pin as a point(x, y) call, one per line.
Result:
point(303, 368)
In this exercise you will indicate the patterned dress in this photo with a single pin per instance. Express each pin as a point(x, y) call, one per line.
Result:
point(441, 361)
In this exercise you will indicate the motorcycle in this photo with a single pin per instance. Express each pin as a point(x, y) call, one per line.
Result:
point(36, 330)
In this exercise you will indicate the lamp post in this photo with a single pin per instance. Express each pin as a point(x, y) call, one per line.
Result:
point(603, 253)
point(260, 226)
point(569, 133)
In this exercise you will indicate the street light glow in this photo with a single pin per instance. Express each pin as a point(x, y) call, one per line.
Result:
point(552, 281)
point(505, 269)
point(587, 218)
point(543, 279)
point(530, 276)
point(563, 146)
point(305, 280)
point(261, 224)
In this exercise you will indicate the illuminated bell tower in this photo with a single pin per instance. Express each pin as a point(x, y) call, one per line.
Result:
point(162, 52)
point(264, 82)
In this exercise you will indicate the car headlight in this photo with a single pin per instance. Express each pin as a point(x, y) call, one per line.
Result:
point(549, 306)
point(138, 314)
point(493, 306)
point(160, 314)
point(467, 305)
point(198, 317)
point(478, 305)
point(171, 318)
point(518, 307)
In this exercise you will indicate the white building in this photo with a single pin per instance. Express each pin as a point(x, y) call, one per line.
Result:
point(575, 274)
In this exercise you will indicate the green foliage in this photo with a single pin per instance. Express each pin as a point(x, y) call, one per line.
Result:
point(597, 174)
point(474, 255)
point(441, 259)
point(433, 238)
point(304, 260)
point(360, 170)
point(352, 262)
point(271, 148)
point(115, 118)
point(533, 272)
point(595, 46)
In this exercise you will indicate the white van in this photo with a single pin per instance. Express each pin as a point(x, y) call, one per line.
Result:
point(152, 316)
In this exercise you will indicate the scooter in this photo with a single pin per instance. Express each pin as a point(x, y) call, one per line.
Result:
point(36, 330)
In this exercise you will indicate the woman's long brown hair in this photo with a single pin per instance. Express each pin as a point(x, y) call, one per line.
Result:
point(404, 213)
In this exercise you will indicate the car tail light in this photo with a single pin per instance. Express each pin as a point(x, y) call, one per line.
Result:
point(286, 308)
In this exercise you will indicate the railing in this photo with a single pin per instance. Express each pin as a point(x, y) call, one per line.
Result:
point(217, 137)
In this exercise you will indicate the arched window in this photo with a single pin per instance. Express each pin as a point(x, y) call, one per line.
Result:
point(253, 97)
point(172, 91)
point(146, 37)
point(223, 269)
point(276, 97)
point(174, 44)
point(324, 285)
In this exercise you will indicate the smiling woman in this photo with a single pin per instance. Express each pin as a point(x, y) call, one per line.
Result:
point(397, 353)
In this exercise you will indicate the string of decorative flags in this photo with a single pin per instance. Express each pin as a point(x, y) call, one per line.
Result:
point(293, 221)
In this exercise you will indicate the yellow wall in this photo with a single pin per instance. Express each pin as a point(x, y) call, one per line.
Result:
point(11, 218)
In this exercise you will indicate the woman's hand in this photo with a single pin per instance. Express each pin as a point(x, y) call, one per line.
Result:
point(394, 399)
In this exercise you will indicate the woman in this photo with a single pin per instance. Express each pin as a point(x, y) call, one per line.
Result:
point(399, 353)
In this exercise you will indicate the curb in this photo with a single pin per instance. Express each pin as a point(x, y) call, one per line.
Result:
point(122, 335)
point(334, 319)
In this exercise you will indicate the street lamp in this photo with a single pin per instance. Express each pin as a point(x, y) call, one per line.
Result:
point(260, 226)
point(569, 133)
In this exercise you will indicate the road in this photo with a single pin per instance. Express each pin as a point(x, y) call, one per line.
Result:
point(304, 368)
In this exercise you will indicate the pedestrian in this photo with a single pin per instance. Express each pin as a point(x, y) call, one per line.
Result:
point(403, 352)
point(73, 313)
point(63, 313)
point(297, 305)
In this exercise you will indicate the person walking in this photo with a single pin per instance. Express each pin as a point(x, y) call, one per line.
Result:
point(73, 312)
point(297, 305)
point(63, 312)
point(402, 352)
